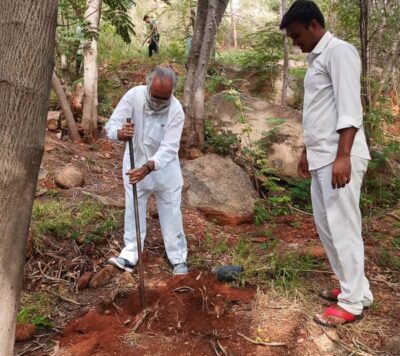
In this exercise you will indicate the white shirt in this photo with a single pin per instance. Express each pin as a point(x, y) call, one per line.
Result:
point(156, 138)
point(332, 101)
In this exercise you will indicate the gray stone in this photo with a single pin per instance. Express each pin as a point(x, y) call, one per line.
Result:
point(69, 176)
point(220, 189)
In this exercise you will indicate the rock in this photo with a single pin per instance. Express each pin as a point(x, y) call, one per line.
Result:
point(194, 153)
point(42, 173)
point(84, 280)
point(393, 345)
point(69, 176)
point(278, 128)
point(328, 347)
point(24, 332)
point(53, 120)
point(85, 348)
point(314, 251)
point(103, 277)
point(220, 189)
point(126, 279)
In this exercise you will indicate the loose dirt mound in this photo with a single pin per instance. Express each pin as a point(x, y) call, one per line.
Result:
point(196, 308)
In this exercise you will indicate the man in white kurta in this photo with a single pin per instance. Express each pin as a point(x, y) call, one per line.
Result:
point(336, 155)
point(157, 123)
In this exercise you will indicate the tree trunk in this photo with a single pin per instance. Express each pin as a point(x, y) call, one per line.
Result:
point(364, 47)
point(209, 15)
point(233, 25)
point(27, 41)
point(73, 130)
point(90, 72)
point(285, 76)
point(364, 61)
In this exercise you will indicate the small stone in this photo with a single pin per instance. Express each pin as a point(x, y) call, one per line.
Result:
point(194, 153)
point(103, 277)
point(24, 332)
point(68, 177)
point(315, 251)
point(84, 280)
point(393, 345)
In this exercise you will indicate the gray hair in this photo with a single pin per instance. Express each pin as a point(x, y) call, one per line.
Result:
point(161, 73)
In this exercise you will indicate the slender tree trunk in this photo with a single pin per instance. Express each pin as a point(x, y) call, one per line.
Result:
point(73, 130)
point(233, 25)
point(27, 40)
point(364, 49)
point(364, 61)
point(90, 72)
point(285, 69)
point(208, 18)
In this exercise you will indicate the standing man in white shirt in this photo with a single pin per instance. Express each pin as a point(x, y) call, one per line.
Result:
point(335, 154)
point(157, 123)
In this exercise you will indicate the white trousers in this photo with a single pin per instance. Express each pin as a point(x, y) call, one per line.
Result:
point(338, 220)
point(169, 212)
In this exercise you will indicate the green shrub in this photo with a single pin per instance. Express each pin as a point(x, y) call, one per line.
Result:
point(223, 142)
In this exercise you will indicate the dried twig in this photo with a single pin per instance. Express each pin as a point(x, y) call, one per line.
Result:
point(389, 284)
point(261, 342)
point(50, 278)
point(348, 348)
point(140, 320)
point(66, 299)
point(183, 289)
point(222, 348)
point(31, 349)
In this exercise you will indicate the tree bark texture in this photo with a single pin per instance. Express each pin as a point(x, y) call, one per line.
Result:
point(364, 62)
point(233, 25)
point(66, 109)
point(27, 40)
point(208, 18)
point(90, 71)
point(285, 74)
point(364, 50)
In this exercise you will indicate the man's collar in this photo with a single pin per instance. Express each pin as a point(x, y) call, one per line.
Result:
point(323, 42)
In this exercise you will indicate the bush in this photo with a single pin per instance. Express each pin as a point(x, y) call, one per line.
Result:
point(224, 142)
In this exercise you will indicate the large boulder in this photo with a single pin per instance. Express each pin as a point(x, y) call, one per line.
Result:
point(220, 189)
point(278, 128)
point(69, 176)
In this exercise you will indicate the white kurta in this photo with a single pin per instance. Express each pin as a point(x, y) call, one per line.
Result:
point(332, 102)
point(156, 138)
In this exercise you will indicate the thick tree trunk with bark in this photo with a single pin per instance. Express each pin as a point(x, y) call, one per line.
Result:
point(66, 109)
point(27, 39)
point(90, 71)
point(208, 18)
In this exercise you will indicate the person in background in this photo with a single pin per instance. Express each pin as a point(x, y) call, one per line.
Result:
point(335, 154)
point(153, 35)
point(157, 123)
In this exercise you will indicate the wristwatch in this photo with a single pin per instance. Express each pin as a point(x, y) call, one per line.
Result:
point(147, 165)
